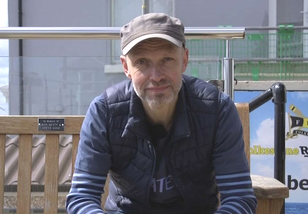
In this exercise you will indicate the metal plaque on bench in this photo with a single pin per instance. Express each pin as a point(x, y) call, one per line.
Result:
point(51, 124)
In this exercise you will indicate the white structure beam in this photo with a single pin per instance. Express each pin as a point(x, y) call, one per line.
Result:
point(264, 85)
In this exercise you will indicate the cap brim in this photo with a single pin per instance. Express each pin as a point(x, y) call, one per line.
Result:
point(130, 45)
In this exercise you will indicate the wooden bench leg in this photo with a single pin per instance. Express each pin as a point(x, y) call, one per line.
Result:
point(105, 195)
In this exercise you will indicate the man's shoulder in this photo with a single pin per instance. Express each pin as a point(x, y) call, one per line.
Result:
point(198, 88)
point(119, 92)
point(115, 98)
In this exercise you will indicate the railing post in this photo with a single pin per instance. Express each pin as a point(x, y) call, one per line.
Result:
point(278, 92)
point(279, 100)
point(145, 6)
point(228, 72)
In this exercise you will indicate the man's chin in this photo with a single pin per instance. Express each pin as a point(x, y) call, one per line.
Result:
point(158, 102)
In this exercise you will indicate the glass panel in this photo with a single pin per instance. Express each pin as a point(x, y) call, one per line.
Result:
point(4, 73)
point(58, 85)
point(67, 85)
point(123, 13)
point(162, 6)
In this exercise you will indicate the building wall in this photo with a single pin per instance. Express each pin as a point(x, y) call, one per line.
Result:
point(290, 12)
point(48, 65)
point(57, 13)
point(238, 13)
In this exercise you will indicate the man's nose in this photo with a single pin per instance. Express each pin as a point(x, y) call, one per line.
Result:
point(156, 73)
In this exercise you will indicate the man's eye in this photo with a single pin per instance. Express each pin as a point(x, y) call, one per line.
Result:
point(141, 61)
point(167, 59)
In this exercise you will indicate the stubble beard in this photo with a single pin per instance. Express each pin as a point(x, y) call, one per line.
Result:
point(157, 100)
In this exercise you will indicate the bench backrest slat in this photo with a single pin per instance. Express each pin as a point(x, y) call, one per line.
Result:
point(51, 174)
point(29, 124)
point(76, 138)
point(243, 110)
point(24, 174)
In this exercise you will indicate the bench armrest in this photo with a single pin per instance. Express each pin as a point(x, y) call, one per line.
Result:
point(270, 194)
point(270, 188)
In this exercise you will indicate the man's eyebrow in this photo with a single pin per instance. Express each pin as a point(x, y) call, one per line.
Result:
point(136, 51)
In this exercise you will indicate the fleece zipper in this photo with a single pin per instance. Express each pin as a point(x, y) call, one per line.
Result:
point(152, 149)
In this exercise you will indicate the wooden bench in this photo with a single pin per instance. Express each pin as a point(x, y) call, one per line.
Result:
point(270, 193)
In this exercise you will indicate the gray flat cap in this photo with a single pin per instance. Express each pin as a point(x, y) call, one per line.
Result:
point(152, 25)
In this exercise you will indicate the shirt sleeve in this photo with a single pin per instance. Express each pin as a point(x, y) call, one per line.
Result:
point(229, 154)
point(85, 193)
point(93, 154)
point(236, 193)
point(92, 162)
point(230, 162)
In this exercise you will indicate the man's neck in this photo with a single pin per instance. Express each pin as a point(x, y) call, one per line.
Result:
point(160, 115)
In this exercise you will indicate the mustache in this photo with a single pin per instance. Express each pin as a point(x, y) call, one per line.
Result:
point(162, 82)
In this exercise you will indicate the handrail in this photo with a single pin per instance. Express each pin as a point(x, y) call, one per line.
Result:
point(265, 28)
point(109, 33)
point(277, 92)
point(270, 59)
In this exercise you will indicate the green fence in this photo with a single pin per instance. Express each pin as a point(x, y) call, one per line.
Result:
point(263, 55)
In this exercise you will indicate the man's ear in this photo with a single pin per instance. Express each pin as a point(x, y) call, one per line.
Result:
point(125, 66)
point(185, 59)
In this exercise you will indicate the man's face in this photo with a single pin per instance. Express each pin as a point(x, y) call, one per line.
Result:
point(155, 67)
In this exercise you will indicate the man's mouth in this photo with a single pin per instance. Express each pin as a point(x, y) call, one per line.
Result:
point(158, 89)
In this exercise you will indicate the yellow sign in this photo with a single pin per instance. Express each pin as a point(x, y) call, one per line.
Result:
point(296, 123)
point(259, 150)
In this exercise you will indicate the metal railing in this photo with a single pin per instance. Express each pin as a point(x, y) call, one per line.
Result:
point(265, 54)
point(114, 33)
point(259, 42)
point(108, 33)
point(277, 92)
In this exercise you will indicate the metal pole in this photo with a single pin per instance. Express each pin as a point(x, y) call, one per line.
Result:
point(227, 49)
point(145, 6)
point(279, 159)
point(21, 61)
point(278, 93)
point(305, 32)
point(274, 28)
point(271, 60)
point(228, 76)
point(228, 72)
point(260, 100)
point(279, 99)
point(109, 33)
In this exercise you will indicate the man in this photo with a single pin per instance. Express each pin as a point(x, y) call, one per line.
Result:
point(168, 141)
